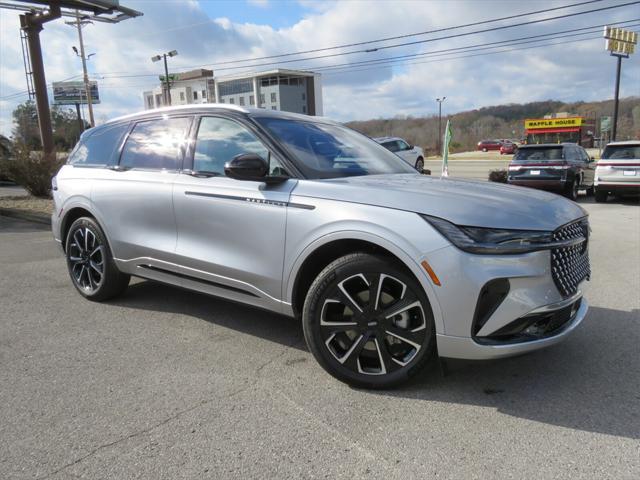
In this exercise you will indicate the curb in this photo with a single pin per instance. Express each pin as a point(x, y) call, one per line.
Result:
point(40, 218)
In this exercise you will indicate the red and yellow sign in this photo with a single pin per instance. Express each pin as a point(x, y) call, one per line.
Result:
point(568, 122)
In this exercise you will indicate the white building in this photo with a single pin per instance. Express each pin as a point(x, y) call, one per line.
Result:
point(280, 89)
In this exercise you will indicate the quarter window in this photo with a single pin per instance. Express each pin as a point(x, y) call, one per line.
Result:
point(219, 140)
point(156, 144)
point(98, 146)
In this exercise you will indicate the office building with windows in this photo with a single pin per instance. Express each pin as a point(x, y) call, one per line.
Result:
point(280, 89)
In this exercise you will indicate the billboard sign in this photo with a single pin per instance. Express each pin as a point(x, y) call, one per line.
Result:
point(70, 93)
point(605, 124)
point(620, 41)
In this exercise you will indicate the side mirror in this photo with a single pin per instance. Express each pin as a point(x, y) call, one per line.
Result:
point(251, 167)
point(409, 147)
point(247, 166)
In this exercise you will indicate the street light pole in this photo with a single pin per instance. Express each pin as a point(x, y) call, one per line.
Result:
point(616, 96)
point(166, 81)
point(440, 100)
point(156, 58)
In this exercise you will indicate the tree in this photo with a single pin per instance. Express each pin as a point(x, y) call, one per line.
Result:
point(25, 119)
point(66, 129)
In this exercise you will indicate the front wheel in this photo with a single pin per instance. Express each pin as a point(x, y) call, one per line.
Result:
point(90, 263)
point(368, 322)
point(420, 164)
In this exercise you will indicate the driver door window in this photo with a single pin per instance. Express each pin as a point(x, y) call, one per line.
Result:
point(219, 140)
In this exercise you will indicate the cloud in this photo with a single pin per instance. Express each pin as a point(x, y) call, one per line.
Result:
point(568, 71)
point(259, 3)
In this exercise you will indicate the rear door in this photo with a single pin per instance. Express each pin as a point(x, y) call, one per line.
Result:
point(231, 233)
point(134, 198)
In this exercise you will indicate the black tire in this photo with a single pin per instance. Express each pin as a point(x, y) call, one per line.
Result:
point(420, 164)
point(381, 345)
point(571, 191)
point(590, 191)
point(485, 150)
point(90, 263)
point(601, 196)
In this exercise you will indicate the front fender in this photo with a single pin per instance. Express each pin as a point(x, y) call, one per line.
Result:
point(404, 234)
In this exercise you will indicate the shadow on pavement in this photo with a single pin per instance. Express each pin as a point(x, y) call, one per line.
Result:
point(149, 295)
point(589, 382)
point(585, 383)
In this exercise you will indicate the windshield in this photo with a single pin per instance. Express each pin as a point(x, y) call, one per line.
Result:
point(324, 150)
point(539, 154)
point(621, 152)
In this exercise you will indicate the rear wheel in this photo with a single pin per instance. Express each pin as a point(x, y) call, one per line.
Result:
point(90, 263)
point(484, 149)
point(368, 322)
point(420, 164)
point(601, 196)
point(571, 191)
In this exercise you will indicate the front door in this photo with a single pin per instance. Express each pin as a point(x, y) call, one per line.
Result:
point(231, 233)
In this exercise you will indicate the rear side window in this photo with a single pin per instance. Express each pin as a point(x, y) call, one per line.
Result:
point(548, 153)
point(98, 147)
point(156, 144)
point(621, 152)
point(391, 146)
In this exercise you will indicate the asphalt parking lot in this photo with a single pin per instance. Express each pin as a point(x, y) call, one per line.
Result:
point(165, 384)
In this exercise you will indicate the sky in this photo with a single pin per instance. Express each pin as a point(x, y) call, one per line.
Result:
point(207, 33)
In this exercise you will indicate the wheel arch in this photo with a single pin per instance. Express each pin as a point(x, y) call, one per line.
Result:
point(331, 247)
point(71, 215)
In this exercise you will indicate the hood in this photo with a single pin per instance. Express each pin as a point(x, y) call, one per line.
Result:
point(463, 202)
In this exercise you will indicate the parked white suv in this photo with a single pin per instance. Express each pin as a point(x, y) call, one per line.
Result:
point(409, 153)
point(618, 172)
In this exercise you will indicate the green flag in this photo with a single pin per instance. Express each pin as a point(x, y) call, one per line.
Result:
point(445, 149)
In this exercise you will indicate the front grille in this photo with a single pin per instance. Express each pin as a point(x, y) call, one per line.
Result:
point(570, 265)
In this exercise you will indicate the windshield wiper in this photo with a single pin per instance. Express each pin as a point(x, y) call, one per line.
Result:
point(202, 173)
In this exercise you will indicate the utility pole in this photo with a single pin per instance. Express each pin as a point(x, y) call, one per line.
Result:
point(32, 23)
point(620, 43)
point(87, 86)
point(440, 100)
point(167, 89)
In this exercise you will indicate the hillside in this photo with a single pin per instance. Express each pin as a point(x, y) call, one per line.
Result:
point(502, 121)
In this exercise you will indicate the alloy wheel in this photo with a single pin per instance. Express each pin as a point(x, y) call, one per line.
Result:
point(373, 324)
point(86, 256)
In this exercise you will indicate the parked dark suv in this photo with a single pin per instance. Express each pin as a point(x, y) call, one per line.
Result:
point(563, 168)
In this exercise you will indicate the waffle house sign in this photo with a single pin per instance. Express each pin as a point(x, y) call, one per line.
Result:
point(553, 123)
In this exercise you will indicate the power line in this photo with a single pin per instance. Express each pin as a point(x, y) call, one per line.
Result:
point(385, 47)
point(384, 39)
point(482, 46)
point(352, 70)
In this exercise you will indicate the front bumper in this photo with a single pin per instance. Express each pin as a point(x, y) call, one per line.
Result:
point(531, 290)
point(467, 348)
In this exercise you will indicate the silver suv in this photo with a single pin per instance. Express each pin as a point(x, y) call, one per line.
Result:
point(305, 217)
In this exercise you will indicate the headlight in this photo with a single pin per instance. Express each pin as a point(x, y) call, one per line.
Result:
point(495, 241)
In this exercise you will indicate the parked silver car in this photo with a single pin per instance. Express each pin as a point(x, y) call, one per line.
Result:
point(305, 217)
point(411, 154)
point(618, 172)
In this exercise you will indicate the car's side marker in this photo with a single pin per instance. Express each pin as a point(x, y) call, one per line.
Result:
point(432, 275)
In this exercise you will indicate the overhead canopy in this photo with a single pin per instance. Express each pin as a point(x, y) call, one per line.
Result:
point(109, 11)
